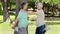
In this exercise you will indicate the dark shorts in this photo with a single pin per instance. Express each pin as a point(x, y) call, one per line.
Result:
point(40, 30)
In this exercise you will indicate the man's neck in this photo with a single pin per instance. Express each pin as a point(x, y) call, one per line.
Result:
point(39, 9)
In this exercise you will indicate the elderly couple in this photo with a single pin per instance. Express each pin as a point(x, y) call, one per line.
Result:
point(22, 21)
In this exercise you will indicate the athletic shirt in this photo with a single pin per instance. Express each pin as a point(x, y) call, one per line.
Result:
point(40, 18)
point(22, 17)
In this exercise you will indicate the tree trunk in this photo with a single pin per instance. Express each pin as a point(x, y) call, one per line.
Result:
point(6, 17)
point(17, 7)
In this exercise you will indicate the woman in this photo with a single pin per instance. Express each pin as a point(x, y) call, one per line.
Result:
point(21, 19)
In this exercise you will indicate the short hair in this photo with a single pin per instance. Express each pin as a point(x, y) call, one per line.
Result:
point(23, 4)
point(40, 4)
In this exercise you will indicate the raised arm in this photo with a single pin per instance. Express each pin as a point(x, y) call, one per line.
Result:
point(31, 13)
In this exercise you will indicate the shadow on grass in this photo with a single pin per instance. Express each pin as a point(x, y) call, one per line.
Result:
point(1, 22)
point(53, 23)
point(47, 23)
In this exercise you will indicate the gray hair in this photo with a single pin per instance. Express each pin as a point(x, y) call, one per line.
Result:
point(40, 4)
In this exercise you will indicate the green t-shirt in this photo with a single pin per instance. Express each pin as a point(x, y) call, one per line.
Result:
point(22, 16)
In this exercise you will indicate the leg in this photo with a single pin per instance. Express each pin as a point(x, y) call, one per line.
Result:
point(42, 29)
point(37, 30)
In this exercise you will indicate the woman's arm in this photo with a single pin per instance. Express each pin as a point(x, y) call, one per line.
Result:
point(32, 13)
point(15, 24)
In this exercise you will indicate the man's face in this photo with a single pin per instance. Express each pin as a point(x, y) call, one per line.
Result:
point(39, 7)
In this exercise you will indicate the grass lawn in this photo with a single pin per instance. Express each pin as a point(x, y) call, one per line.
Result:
point(53, 29)
point(5, 28)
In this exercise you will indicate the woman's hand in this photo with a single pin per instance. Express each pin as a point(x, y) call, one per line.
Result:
point(13, 27)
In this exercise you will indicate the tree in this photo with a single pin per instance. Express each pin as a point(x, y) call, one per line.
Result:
point(0, 8)
point(6, 16)
point(5, 11)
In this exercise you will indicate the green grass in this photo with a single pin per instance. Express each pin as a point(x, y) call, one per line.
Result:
point(54, 29)
point(12, 17)
point(1, 18)
point(5, 28)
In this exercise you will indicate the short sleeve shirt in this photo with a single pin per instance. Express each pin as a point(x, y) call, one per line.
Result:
point(40, 18)
point(22, 17)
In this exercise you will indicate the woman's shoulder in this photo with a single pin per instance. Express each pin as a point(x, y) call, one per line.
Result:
point(20, 11)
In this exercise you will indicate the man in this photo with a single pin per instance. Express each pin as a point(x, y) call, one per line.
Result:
point(40, 19)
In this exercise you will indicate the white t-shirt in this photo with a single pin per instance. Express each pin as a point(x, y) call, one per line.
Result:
point(40, 18)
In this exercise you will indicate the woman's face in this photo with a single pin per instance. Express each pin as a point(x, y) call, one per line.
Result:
point(25, 7)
